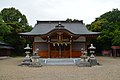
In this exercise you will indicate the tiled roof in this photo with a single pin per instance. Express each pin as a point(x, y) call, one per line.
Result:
point(5, 45)
point(44, 27)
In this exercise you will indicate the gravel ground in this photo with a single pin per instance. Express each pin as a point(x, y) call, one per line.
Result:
point(108, 70)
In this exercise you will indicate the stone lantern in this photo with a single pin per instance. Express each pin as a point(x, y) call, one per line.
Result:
point(92, 50)
point(35, 59)
point(83, 61)
point(84, 54)
point(27, 59)
point(27, 51)
point(92, 58)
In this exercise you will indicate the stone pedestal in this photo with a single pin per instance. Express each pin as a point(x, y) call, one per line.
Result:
point(84, 64)
point(35, 61)
point(93, 62)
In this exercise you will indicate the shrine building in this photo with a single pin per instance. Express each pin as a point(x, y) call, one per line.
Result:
point(60, 39)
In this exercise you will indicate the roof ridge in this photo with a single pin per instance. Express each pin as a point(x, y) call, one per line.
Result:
point(57, 21)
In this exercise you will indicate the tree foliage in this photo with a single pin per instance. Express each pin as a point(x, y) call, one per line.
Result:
point(109, 24)
point(13, 22)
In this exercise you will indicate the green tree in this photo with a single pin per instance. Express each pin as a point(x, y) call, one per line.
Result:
point(4, 29)
point(13, 23)
point(109, 24)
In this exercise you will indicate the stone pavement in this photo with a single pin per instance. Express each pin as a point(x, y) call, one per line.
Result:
point(108, 70)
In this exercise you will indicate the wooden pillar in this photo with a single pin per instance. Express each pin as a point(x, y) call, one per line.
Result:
point(33, 46)
point(71, 46)
point(85, 46)
point(115, 52)
point(71, 50)
point(48, 50)
point(48, 40)
point(85, 43)
point(60, 52)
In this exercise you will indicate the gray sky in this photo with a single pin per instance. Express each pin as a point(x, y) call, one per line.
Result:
point(86, 10)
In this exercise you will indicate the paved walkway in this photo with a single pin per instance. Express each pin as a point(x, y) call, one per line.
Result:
point(109, 70)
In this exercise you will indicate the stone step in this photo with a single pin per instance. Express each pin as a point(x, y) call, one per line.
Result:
point(67, 61)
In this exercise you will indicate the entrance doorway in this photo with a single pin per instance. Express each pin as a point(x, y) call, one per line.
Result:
point(60, 50)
